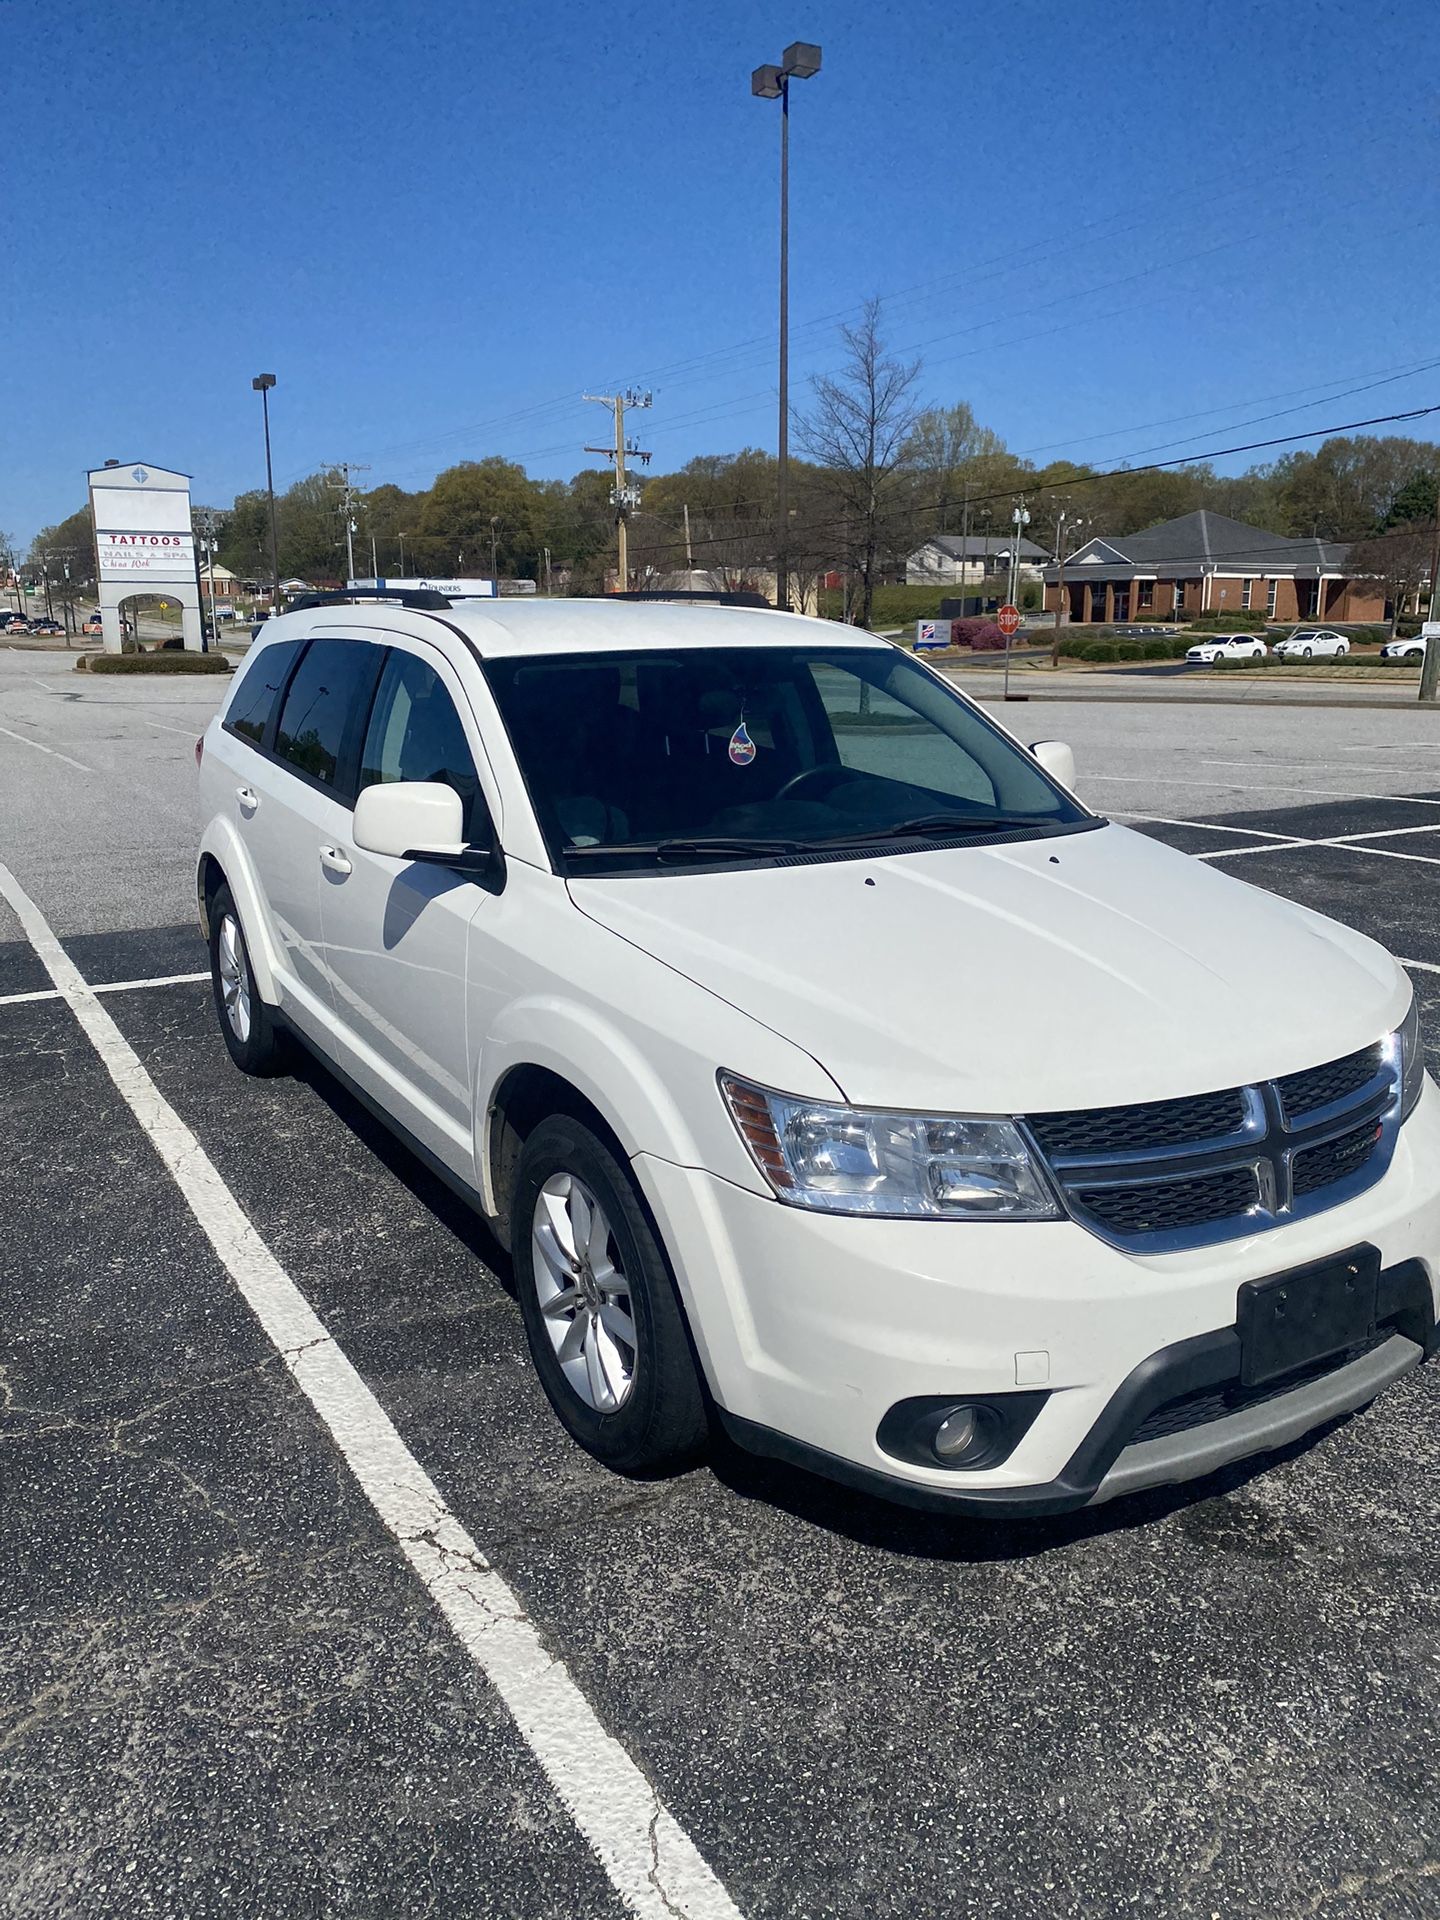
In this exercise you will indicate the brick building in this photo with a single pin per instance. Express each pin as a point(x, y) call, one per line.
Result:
point(1206, 563)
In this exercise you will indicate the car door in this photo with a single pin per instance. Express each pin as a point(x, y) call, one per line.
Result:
point(291, 810)
point(396, 931)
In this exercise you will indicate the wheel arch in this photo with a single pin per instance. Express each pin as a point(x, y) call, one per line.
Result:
point(222, 862)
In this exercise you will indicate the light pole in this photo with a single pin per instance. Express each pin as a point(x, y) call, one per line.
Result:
point(262, 383)
point(494, 563)
point(800, 61)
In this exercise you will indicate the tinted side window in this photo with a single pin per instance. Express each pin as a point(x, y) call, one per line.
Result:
point(253, 701)
point(415, 734)
point(325, 705)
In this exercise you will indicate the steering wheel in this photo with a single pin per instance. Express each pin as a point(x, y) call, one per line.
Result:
point(797, 780)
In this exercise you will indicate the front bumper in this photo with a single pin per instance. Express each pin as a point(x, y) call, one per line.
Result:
point(811, 1327)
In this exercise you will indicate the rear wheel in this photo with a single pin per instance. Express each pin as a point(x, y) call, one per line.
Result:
point(248, 1026)
point(602, 1317)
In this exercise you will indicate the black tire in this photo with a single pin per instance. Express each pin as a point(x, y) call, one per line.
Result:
point(261, 1047)
point(663, 1422)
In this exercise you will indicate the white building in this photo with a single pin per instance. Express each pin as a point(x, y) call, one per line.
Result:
point(952, 559)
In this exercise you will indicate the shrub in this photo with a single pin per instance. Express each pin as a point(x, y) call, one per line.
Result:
point(1238, 621)
point(980, 635)
point(154, 663)
point(1100, 650)
point(1156, 649)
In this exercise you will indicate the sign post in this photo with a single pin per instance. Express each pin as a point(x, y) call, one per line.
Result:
point(1008, 621)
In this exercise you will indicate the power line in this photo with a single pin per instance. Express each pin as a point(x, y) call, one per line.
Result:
point(1032, 487)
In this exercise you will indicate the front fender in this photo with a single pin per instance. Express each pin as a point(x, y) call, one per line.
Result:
point(223, 844)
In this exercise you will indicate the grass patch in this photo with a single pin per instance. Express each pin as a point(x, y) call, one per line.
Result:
point(153, 663)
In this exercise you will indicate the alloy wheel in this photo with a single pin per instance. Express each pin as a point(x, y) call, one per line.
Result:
point(234, 977)
point(583, 1293)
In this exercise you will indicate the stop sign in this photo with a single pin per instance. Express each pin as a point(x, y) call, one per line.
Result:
point(1008, 619)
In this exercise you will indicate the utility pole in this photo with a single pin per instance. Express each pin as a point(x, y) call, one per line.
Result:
point(624, 497)
point(689, 556)
point(347, 506)
point(1060, 612)
point(1430, 665)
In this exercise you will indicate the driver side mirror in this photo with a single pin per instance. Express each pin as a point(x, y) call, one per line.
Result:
point(1057, 760)
point(416, 820)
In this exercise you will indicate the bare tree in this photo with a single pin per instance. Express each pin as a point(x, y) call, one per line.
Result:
point(1401, 559)
point(856, 431)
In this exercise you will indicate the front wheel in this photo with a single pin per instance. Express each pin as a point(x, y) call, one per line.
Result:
point(603, 1320)
point(1308, 653)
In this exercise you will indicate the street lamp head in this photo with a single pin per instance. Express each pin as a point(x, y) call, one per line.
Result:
point(263, 382)
point(800, 60)
point(765, 83)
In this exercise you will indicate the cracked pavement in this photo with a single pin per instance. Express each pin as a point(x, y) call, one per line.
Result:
point(222, 1690)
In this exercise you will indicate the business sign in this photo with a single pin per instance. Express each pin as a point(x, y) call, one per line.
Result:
point(135, 555)
point(142, 525)
point(931, 633)
point(452, 589)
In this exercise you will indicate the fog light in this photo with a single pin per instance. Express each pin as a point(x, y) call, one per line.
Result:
point(957, 1433)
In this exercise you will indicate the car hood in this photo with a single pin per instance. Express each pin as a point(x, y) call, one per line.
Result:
point(1086, 969)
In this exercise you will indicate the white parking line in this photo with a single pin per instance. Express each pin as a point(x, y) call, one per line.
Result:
point(651, 1861)
point(1425, 966)
point(40, 747)
point(1235, 786)
point(1209, 826)
point(106, 986)
point(1419, 773)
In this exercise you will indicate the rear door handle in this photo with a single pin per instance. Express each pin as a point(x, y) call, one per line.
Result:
point(335, 860)
point(248, 798)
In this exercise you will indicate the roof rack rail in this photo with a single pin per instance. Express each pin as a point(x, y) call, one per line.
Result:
point(738, 599)
point(422, 599)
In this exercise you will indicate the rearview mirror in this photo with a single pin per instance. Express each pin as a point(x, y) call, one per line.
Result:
point(1057, 760)
point(411, 820)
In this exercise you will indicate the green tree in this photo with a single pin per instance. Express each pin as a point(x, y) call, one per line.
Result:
point(480, 507)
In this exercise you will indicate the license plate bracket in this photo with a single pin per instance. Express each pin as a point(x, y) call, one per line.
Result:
point(1297, 1318)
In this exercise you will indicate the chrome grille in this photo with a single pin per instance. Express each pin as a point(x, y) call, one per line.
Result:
point(1157, 1123)
point(1168, 1174)
point(1302, 1093)
point(1316, 1167)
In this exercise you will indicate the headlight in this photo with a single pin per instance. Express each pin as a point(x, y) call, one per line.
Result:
point(855, 1160)
point(1412, 1059)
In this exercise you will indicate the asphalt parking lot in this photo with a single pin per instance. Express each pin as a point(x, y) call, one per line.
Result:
point(231, 1684)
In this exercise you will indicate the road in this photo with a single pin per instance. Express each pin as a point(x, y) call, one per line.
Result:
point(224, 1689)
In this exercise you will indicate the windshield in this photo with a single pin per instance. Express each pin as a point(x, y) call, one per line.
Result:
point(641, 759)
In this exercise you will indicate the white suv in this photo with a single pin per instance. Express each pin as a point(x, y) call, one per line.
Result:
point(827, 1068)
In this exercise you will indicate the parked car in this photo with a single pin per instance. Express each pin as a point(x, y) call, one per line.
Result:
point(1228, 646)
point(1414, 647)
point(46, 626)
point(93, 624)
point(634, 921)
point(1312, 643)
point(14, 623)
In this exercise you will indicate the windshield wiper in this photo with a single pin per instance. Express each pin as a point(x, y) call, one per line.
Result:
point(941, 823)
point(717, 847)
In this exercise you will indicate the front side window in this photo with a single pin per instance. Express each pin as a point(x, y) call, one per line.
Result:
point(415, 734)
point(637, 759)
point(253, 701)
point(325, 704)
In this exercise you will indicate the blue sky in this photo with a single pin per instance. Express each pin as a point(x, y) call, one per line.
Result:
point(440, 224)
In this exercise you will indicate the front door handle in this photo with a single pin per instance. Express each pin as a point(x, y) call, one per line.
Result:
point(248, 798)
point(335, 860)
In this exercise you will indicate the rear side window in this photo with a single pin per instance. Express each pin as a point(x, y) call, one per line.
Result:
point(254, 699)
point(325, 706)
point(415, 734)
